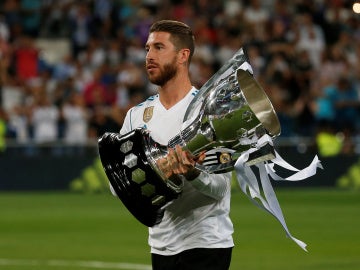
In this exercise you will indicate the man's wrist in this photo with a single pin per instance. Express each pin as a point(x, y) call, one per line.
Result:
point(192, 175)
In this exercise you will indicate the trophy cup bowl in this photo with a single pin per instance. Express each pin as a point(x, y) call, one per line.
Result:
point(227, 117)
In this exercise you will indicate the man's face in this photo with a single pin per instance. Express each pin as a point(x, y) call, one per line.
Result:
point(161, 58)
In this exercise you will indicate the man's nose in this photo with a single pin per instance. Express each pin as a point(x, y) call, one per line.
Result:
point(149, 55)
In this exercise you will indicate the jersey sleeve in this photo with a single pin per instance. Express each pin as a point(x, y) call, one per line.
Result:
point(213, 185)
point(126, 127)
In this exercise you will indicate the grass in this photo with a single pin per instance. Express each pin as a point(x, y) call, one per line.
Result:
point(38, 228)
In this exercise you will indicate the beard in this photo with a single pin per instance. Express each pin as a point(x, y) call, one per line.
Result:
point(167, 72)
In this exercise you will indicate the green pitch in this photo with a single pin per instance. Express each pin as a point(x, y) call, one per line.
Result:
point(52, 231)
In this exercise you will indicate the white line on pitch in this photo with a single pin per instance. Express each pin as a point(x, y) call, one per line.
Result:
point(89, 264)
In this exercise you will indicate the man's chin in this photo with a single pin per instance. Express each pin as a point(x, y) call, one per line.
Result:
point(155, 81)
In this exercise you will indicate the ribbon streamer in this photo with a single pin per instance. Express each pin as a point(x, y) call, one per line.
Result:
point(249, 184)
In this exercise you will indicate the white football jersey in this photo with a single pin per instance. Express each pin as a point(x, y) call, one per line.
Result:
point(199, 217)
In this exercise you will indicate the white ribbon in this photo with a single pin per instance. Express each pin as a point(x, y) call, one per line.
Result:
point(248, 182)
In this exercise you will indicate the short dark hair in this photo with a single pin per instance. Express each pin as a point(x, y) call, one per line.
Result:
point(181, 34)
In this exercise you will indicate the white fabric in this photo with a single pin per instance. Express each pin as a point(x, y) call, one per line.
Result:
point(76, 124)
point(249, 183)
point(200, 216)
point(44, 120)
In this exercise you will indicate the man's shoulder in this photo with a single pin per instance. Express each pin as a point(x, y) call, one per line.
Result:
point(150, 101)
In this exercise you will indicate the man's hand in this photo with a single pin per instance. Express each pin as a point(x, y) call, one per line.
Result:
point(181, 162)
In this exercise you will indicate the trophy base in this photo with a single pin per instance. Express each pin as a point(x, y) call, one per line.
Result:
point(138, 186)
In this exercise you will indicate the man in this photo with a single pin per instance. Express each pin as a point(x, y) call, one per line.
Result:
point(196, 231)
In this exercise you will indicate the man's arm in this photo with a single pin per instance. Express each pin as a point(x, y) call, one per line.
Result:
point(213, 185)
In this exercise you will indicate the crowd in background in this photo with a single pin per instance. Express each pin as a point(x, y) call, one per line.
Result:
point(304, 53)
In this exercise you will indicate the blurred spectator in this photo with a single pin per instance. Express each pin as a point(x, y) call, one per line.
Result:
point(75, 117)
point(94, 55)
point(257, 60)
point(338, 112)
point(183, 11)
point(63, 91)
point(232, 8)
point(142, 25)
point(19, 124)
point(101, 121)
point(122, 95)
point(336, 17)
point(95, 92)
point(132, 78)
point(26, 57)
point(127, 17)
point(4, 29)
point(200, 71)
point(44, 118)
point(54, 18)
point(282, 12)
point(13, 17)
point(256, 17)
point(323, 110)
point(353, 25)
point(109, 79)
point(283, 108)
point(5, 60)
point(311, 38)
point(303, 70)
point(81, 23)
point(83, 75)
point(152, 5)
point(278, 69)
point(277, 41)
point(102, 9)
point(64, 68)
point(334, 66)
point(135, 52)
point(205, 40)
point(347, 47)
point(346, 102)
point(31, 16)
point(229, 41)
point(113, 53)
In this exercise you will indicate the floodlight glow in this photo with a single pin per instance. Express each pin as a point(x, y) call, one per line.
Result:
point(356, 8)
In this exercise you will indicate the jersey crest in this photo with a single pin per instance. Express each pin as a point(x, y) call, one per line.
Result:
point(148, 113)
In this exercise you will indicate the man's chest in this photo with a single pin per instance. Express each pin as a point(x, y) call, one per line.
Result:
point(162, 124)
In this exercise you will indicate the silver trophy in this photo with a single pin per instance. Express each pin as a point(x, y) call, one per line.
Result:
point(227, 117)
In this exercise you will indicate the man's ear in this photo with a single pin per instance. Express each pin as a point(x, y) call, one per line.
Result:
point(184, 55)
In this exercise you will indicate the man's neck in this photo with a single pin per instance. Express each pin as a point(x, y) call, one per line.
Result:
point(174, 91)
